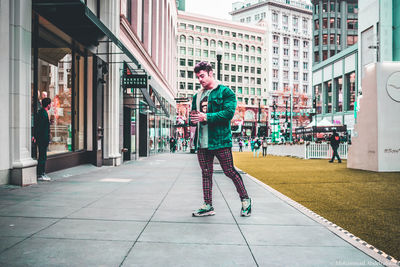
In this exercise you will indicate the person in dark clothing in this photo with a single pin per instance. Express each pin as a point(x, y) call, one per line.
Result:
point(172, 145)
point(335, 141)
point(42, 138)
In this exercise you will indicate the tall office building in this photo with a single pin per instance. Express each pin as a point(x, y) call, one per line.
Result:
point(243, 59)
point(335, 27)
point(288, 43)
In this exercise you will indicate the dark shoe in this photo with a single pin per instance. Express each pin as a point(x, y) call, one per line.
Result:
point(339, 161)
point(331, 161)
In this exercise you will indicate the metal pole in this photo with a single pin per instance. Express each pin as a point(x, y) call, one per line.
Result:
point(291, 114)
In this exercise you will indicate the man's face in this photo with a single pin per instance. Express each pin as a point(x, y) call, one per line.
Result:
point(206, 79)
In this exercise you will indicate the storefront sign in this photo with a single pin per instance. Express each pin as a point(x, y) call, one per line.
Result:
point(135, 81)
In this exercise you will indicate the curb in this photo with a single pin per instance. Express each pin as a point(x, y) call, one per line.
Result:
point(355, 241)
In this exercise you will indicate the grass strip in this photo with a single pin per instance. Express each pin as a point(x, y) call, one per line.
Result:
point(365, 203)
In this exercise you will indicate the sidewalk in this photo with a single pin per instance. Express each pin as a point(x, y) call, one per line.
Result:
point(139, 214)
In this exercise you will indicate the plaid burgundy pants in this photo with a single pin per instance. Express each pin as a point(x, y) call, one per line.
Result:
point(224, 155)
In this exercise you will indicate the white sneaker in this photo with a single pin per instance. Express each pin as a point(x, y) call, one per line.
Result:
point(44, 177)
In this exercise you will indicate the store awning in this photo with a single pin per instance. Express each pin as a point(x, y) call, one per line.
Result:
point(78, 21)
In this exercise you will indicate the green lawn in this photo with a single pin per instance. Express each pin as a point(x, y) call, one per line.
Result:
point(365, 203)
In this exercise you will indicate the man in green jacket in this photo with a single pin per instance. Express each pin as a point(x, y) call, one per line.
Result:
point(213, 108)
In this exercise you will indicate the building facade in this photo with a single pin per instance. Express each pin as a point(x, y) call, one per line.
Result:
point(79, 63)
point(288, 41)
point(243, 64)
point(335, 27)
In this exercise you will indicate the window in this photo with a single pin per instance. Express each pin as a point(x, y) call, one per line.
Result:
point(212, 43)
point(316, 40)
point(220, 44)
point(352, 8)
point(274, 86)
point(258, 70)
point(246, 59)
point(205, 53)
point(332, 23)
point(226, 67)
point(286, 63)
point(240, 47)
point(305, 55)
point(233, 46)
point(190, 51)
point(227, 45)
point(233, 57)
point(182, 62)
point(190, 74)
point(285, 52)
point(240, 58)
point(190, 62)
point(252, 91)
point(258, 60)
point(190, 86)
point(259, 50)
point(182, 39)
point(252, 70)
point(295, 76)
point(352, 24)
point(226, 78)
point(213, 54)
point(182, 50)
point(275, 73)
point(338, 23)
point(246, 48)
point(305, 77)
point(233, 78)
point(248, 19)
point(212, 30)
point(285, 74)
point(246, 90)
point(295, 64)
point(286, 40)
point(274, 17)
point(296, 42)
point(305, 44)
point(220, 32)
point(205, 29)
point(226, 56)
point(305, 24)
point(198, 41)
point(352, 39)
point(182, 26)
point(258, 80)
point(205, 42)
point(198, 29)
point(332, 7)
point(316, 24)
point(325, 39)
point(240, 68)
point(275, 39)
point(285, 20)
point(324, 23)
point(316, 56)
point(182, 85)
point(305, 65)
point(198, 52)
point(233, 67)
point(240, 79)
point(190, 27)
point(190, 40)
point(227, 33)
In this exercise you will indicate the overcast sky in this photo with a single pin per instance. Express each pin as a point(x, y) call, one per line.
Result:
point(211, 8)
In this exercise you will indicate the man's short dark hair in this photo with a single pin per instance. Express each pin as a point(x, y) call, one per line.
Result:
point(45, 102)
point(203, 65)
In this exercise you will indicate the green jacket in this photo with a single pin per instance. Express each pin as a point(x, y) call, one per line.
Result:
point(220, 111)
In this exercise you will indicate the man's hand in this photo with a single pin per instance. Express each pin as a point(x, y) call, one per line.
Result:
point(198, 117)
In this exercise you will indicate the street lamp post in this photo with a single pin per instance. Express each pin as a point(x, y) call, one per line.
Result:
point(291, 114)
point(219, 57)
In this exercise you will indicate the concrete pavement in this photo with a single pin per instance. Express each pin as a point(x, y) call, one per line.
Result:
point(139, 214)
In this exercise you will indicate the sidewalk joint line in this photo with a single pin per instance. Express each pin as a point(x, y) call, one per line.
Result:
point(148, 222)
point(240, 230)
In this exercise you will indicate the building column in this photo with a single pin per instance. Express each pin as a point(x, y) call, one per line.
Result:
point(112, 153)
point(23, 167)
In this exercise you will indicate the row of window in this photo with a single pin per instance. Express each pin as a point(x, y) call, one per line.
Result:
point(212, 43)
point(227, 78)
point(286, 41)
point(230, 67)
point(185, 26)
point(333, 6)
point(275, 51)
point(275, 63)
point(205, 53)
point(240, 89)
point(285, 87)
point(352, 24)
point(275, 75)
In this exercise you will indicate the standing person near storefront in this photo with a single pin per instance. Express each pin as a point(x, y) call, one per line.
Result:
point(335, 141)
point(213, 108)
point(240, 145)
point(264, 147)
point(42, 137)
point(172, 145)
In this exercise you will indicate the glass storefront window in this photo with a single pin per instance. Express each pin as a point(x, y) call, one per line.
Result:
point(54, 66)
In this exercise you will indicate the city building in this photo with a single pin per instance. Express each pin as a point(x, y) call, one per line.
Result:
point(243, 65)
point(181, 5)
point(335, 27)
point(288, 53)
point(375, 143)
point(77, 53)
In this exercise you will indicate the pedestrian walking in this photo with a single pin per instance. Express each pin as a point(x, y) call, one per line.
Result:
point(264, 147)
point(213, 108)
point(240, 145)
point(335, 141)
point(256, 147)
point(252, 145)
point(172, 145)
point(42, 138)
